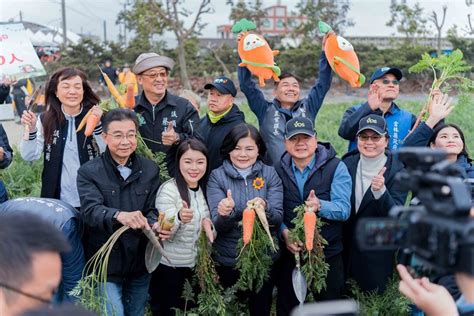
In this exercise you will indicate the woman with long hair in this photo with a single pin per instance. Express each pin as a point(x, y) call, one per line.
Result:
point(68, 98)
point(450, 138)
point(183, 199)
point(243, 177)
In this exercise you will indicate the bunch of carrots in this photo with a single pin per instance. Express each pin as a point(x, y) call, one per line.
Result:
point(126, 101)
point(308, 229)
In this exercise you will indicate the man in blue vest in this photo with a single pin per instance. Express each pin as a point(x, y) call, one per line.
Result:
point(273, 115)
point(384, 89)
point(312, 174)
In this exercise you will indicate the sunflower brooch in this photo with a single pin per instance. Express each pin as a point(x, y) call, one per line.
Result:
point(258, 183)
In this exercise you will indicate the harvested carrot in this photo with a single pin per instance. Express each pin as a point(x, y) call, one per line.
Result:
point(207, 226)
point(91, 124)
point(130, 97)
point(83, 121)
point(248, 220)
point(113, 90)
point(262, 216)
point(309, 222)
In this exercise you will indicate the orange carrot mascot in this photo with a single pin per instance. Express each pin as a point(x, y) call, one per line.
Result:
point(255, 53)
point(342, 57)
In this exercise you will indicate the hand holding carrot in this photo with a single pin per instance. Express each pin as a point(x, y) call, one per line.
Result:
point(97, 111)
point(312, 203)
point(185, 213)
point(293, 246)
point(260, 201)
point(134, 220)
point(225, 206)
point(169, 136)
point(378, 181)
point(29, 119)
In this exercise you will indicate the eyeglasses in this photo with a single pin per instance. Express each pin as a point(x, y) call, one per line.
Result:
point(394, 82)
point(374, 138)
point(121, 137)
point(35, 297)
point(156, 75)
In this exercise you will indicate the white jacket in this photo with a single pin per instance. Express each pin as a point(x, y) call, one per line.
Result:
point(182, 246)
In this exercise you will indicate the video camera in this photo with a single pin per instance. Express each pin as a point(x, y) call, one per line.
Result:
point(439, 231)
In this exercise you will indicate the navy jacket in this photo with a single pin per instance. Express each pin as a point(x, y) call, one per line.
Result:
point(8, 151)
point(213, 134)
point(228, 229)
point(272, 117)
point(371, 269)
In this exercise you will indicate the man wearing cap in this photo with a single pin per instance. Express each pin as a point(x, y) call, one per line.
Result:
point(312, 174)
point(273, 115)
point(165, 119)
point(384, 89)
point(221, 117)
point(374, 192)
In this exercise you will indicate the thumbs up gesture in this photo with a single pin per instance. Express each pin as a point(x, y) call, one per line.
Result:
point(312, 203)
point(225, 206)
point(169, 136)
point(378, 181)
point(185, 213)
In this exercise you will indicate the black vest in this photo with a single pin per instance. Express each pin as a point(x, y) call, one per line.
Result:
point(319, 180)
point(54, 151)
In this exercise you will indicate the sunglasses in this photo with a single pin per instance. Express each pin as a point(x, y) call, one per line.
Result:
point(374, 138)
point(394, 82)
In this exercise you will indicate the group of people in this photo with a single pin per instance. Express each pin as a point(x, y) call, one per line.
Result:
point(214, 162)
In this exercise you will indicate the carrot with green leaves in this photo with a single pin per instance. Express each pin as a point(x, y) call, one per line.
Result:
point(84, 121)
point(91, 124)
point(113, 90)
point(262, 216)
point(309, 221)
point(130, 97)
point(248, 220)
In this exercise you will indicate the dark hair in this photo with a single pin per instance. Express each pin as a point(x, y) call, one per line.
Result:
point(54, 117)
point(22, 235)
point(440, 127)
point(64, 309)
point(284, 76)
point(238, 132)
point(194, 144)
point(119, 115)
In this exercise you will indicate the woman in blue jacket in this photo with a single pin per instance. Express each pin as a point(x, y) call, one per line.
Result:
point(229, 189)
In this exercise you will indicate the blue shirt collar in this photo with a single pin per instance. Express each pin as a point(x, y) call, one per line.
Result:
point(308, 167)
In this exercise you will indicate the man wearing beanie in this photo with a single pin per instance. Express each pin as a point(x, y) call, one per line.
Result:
point(221, 117)
point(164, 118)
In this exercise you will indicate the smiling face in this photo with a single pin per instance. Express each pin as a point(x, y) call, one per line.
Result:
point(301, 146)
point(253, 41)
point(344, 44)
point(217, 102)
point(154, 81)
point(449, 140)
point(389, 91)
point(245, 153)
point(192, 166)
point(121, 139)
point(287, 92)
point(371, 144)
point(70, 92)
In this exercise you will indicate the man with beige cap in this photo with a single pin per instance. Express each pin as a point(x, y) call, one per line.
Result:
point(165, 119)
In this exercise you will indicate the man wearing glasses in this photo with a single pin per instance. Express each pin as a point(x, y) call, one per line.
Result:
point(384, 89)
point(118, 189)
point(165, 119)
point(30, 265)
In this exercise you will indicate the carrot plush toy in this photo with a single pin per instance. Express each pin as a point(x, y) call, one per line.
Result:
point(255, 52)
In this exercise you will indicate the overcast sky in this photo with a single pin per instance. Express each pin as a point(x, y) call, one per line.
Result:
point(87, 16)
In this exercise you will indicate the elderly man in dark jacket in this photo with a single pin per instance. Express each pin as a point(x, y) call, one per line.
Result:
point(118, 189)
point(312, 174)
point(221, 117)
point(6, 154)
point(374, 192)
point(165, 119)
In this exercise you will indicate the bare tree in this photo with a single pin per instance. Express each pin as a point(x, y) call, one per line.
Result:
point(439, 25)
point(214, 50)
point(173, 12)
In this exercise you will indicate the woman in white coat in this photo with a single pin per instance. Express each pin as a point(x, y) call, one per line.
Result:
point(183, 199)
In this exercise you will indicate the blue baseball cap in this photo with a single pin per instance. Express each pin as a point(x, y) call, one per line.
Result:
point(380, 72)
point(222, 84)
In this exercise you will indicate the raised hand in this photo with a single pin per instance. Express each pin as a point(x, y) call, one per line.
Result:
point(374, 99)
point(169, 136)
point(185, 213)
point(379, 181)
point(439, 108)
point(225, 206)
point(312, 203)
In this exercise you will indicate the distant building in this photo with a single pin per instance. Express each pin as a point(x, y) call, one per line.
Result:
point(384, 42)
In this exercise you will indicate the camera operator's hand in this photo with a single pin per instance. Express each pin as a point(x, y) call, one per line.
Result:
point(378, 181)
point(433, 299)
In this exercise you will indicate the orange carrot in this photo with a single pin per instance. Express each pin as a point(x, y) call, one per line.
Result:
point(309, 221)
point(83, 121)
point(92, 122)
point(130, 97)
point(248, 220)
point(113, 90)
